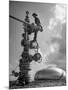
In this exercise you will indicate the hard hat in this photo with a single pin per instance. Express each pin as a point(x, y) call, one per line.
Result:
point(34, 14)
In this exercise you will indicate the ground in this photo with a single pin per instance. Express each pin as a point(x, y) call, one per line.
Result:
point(39, 83)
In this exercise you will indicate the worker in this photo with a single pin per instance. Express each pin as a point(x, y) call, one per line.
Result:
point(37, 21)
point(39, 27)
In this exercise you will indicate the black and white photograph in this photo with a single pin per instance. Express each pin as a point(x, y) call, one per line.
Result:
point(37, 44)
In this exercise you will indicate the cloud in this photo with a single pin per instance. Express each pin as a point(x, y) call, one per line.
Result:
point(60, 13)
point(54, 30)
point(58, 19)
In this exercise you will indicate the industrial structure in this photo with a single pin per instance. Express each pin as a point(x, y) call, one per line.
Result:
point(26, 57)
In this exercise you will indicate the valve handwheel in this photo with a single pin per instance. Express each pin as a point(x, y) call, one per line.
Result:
point(37, 56)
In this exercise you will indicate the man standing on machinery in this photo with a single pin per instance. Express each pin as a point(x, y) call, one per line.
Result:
point(37, 22)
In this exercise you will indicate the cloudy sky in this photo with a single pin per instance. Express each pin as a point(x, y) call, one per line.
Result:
point(51, 40)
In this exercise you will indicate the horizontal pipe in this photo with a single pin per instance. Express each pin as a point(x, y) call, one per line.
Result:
point(17, 19)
